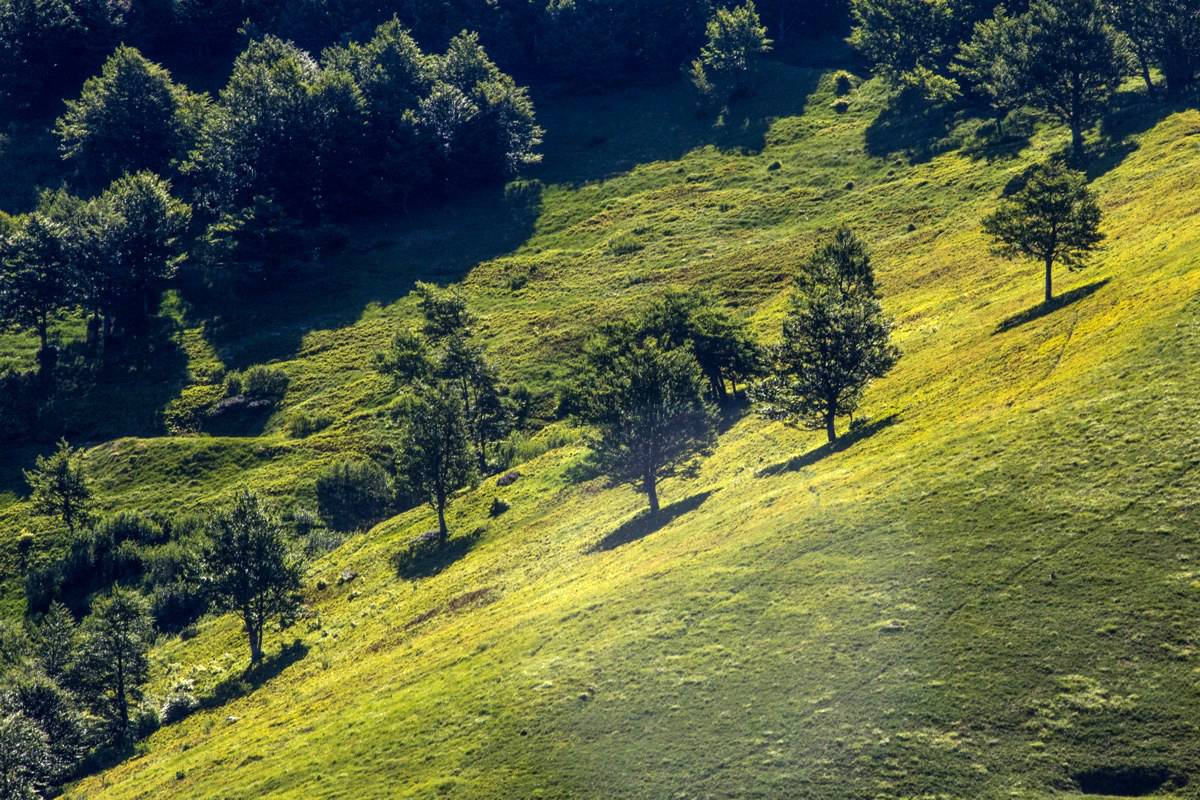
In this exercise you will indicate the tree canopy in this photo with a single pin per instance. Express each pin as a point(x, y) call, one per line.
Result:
point(1054, 218)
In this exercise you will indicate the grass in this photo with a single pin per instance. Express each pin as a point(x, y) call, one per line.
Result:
point(991, 593)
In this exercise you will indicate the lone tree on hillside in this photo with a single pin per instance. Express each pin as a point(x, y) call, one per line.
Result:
point(1073, 63)
point(112, 663)
point(836, 340)
point(435, 449)
point(737, 40)
point(649, 413)
point(59, 488)
point(248, 569)
point(1054, 218)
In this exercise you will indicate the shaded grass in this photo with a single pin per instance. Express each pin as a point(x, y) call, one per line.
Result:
point(647, 523)
point(1043, 309)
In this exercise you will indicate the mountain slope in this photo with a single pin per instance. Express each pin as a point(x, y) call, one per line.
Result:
point(992, 594)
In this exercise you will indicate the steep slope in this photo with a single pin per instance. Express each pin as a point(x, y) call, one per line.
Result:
point(991, 594)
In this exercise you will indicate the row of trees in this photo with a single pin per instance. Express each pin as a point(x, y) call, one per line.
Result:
point(47, 47)
point(375, 120)
point(109, 256)
point(1064, 57)
point(650, 386)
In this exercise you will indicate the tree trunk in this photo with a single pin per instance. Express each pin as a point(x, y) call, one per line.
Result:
point(443, 531)
point(254, 634)
point(831, 425)
point(650, 484)
point(1049, 281)
point(1145, 64)
point(1077, 139)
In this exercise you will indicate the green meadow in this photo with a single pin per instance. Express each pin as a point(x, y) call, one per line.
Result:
point(990, 591)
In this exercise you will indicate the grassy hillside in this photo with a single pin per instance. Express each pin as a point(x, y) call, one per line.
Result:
point(992, 593)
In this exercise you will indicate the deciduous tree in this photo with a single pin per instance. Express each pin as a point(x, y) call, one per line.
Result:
point(1054, 218)
point(647, 409)
point(836, 340)
point(112, 664)
point(59, 488)
point(248, 569)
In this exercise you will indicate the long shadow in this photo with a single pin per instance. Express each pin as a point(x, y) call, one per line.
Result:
point(440, 243)
point(595, 138)
point(1045, 309)
point(912, 126)
point(424, 558)
point(241, 685)
point(92, 395)
point(844, 442)
point(1129, 114)
point(645, 524)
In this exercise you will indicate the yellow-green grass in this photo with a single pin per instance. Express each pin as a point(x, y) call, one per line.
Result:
point(993, 592)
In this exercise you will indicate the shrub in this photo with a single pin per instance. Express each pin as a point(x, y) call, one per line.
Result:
point(842, 84)
point(179, 703)
point(498, 507)
point(144, 720)
point(624, 244)
point(264, 384)
point(353, 494)
point(302, 426)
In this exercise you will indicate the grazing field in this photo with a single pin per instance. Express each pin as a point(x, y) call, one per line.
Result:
point(990, 590)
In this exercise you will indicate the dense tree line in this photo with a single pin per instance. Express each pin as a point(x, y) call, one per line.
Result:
point(1063, 57)
point(48, 46)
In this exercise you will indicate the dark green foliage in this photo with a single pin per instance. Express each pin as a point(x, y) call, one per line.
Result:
point(993, 61)
point(267, 135)
point(1162, 33)
point(53, 710)
point(130, 117)
point(252, 248)
point(446, 357)
point(588, 43)
point(259, 384)
point(728, 62)
point(25, 760)
point(903, 37)
point(134, 239)
point(54, 641)
point(836, 340)
point(353, 494)
point(48, 46)
point(34, 277)
point(1054, 219)
point(248, 569)
point(1074, 62)
point(111, 664)
point(58, 487)
point(435, 450)
point(719, 340)
point(646, 406)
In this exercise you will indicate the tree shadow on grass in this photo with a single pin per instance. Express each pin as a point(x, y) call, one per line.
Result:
point(1129, 113)
point(912, 126)
point(645, 523)
point(844, 442)
point(254, 677)
point(1044, 309)
point(424, 557)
